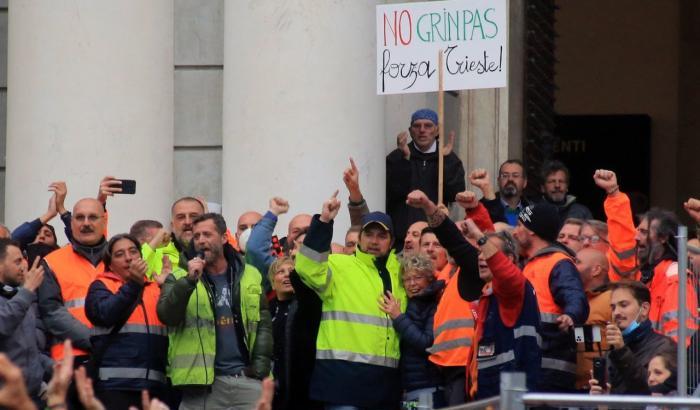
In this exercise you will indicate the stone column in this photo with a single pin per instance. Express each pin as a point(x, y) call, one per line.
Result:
point(492, 119)
point(90, 93)
point(299, 99)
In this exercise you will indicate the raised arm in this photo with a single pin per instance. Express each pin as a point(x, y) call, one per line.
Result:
point(450, 237)
point(258, 249)
point(357, 206)
point(621, 231)
point(312, 259)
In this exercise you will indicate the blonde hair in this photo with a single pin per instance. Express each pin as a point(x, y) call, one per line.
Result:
point(276, 265)
point(418, 262)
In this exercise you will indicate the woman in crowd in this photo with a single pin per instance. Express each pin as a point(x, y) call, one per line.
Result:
point(130, 345)
point(420, 378)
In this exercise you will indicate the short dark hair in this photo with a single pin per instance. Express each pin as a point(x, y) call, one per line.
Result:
point(638, 289)
point(107, 257)
point(218, 220)
point(186, 199)
point(516, 162)
point(6, 243)
point(53, 231)
point(138, 229)
point(553, 166)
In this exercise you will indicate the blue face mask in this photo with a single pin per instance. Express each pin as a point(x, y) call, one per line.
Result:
point(634, 325)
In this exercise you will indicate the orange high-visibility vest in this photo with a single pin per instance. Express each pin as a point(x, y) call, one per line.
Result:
point(446, 273)
point(537, 271)
point(149, 297)
point(142, 320)
point(74, 275)
point(453, 328)
point(665, 305)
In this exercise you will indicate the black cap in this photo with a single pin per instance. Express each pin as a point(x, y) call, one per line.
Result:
point(542, 219)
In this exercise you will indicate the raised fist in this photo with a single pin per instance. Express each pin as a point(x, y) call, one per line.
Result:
point(692, 207)
point(279, 206)
point(418, 199)
point(467, 200)
point(607, 180)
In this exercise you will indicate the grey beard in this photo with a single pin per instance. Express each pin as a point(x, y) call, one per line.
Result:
point(509, 191)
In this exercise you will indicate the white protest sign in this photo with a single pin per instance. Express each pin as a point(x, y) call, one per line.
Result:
point(471, 33)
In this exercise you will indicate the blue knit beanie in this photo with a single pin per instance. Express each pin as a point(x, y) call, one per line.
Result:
point(425, 114)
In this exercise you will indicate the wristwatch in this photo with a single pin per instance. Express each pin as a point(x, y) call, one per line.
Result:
point(482, 241)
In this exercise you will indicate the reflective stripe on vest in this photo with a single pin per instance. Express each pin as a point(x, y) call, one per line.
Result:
point(357, 318)
point(497, 360)
point(453, 327)
point(454, 324)
point(556, 364)
point(158, 330)
point(192, 349)
point(357, 358)
point(509, 355)
point(530, 331)
point(538, 271)
point(74, 303)
point(106, 373)
point(73, 274)
point(549, 317)
point(189, 361)
point(449, 345)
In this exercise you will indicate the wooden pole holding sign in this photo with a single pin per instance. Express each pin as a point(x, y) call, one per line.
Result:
point(441, 127)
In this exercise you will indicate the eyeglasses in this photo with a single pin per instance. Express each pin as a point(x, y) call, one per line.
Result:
point(413, 279)
point(505, 175)
point(86, 218)
point(592, 238)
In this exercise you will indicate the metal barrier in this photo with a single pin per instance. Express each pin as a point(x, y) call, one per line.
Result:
point(514, 397)
point(514, 393)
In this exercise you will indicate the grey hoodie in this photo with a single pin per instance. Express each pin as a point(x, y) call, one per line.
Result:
point(20, 338)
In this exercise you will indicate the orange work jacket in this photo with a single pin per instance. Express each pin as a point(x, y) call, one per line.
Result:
point(74, 275)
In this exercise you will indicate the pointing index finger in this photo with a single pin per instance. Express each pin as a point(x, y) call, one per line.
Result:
point(352, 165)
point(335, 194)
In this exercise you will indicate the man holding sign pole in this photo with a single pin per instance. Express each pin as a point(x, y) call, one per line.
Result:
point(414, 165)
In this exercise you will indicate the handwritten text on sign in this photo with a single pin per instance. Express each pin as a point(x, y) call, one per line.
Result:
point(471, 33)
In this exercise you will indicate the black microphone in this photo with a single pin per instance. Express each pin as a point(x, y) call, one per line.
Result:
point(200, 255)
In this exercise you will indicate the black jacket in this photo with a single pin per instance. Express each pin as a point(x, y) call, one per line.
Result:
point(419, 172)
point(570, 208)
point(416, 330)
point(628, 366)
point(293, 376)
point(496, 209)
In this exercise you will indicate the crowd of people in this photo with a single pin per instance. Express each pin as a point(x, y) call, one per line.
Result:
point(413, 310)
